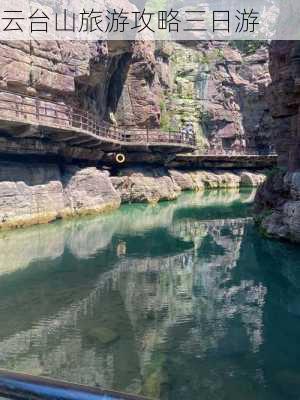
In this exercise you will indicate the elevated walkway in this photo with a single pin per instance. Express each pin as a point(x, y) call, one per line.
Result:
point(23, 116)
point(246, 160)
point(26, 116)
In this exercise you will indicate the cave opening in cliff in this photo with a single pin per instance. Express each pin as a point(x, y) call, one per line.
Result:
point(100, 90)
point(116, 86)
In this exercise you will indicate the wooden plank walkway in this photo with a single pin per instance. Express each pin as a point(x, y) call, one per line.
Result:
point(78, 127)
point(24, 115)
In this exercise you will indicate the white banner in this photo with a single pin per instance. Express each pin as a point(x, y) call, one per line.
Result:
point(153, 20)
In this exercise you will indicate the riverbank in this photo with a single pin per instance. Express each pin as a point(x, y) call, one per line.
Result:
point(40, 193)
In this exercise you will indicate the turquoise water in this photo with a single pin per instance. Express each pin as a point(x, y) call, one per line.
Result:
point(184, 300)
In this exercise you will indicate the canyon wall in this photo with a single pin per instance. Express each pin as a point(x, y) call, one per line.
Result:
point(214, 85)
point(102, 77)
point(218, 87)
point(56, 74)
point(278, 202)
point(138, 84)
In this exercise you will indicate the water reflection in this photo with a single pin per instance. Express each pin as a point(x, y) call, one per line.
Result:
point(175, 301)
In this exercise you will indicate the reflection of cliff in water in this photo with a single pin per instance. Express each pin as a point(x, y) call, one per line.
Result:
point(117, 300)
point(85, 237)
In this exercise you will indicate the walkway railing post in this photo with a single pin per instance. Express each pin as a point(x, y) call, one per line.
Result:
point(21, 386)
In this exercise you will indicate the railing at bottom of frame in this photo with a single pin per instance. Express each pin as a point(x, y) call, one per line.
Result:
point(18, 386)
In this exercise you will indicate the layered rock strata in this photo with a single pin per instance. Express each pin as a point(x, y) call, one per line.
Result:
point(40, 193)
point(157, 184)
point(217, 87)
point(221, 89)
point(278, 201)
point(106, 78)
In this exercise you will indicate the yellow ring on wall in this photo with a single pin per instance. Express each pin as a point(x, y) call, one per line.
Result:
point(120, 158)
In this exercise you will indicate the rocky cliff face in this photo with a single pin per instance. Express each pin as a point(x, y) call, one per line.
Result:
point(69, 72)
point(278, 200)
point(217, 87)
point(133, 84)
point(152, 185)
point(106, 78)
point(40, 193)
point(113, 80)
point(134, 92)
point(47, 68)
point(220, 89)
point(76, 74)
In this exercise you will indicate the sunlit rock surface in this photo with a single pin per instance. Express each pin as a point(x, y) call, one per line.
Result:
point(40, 193)
point(146, 185)
point(151, 185)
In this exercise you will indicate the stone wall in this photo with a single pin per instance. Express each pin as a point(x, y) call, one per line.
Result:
point(48, 68)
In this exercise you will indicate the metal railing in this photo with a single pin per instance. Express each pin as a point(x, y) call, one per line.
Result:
point(32, 110)
point(245, 152)
point(24, 387)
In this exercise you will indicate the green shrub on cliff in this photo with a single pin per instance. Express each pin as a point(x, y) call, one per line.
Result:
point(164, 116)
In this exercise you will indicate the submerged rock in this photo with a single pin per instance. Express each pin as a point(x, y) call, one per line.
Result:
point(288, 382)
point(103, 335)
point(156, 383)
